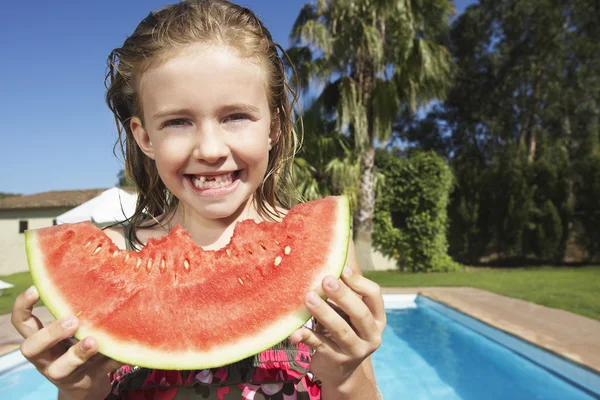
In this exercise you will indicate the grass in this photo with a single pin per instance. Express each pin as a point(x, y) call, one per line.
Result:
point(22, 281)
point(572, 289)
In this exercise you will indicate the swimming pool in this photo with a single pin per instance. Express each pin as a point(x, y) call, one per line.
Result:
point(429, 351)
point(433, 352)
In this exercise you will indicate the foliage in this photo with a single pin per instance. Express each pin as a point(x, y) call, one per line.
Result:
point(5, 195)
point(519, 129)
point(123, 180)
point(411, 217)
point(326, 164)
point(372, 58)
point(588, 193)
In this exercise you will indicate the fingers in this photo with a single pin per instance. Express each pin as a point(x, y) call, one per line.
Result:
point(340, 332)
point(75, 357)
point(316, 341)
point(360, 315)
point(34, 347)
point(22, 318)
point(370, 292)
point(109, 365)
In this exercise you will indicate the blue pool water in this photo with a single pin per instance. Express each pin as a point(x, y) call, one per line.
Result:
point(424, 356)
point(427, 355)
point(25, 383)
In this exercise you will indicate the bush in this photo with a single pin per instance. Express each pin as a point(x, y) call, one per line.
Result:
point(549, 232)
point(588, 192)
point(411, 217)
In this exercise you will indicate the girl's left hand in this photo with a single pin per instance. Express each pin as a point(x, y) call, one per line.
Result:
point(341, 345)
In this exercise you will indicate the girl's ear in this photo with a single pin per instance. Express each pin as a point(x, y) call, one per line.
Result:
point(275, 130)
point(141, 137)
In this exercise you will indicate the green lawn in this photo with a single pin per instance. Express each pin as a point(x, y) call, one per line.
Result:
point(21, 281)
point(572, 289)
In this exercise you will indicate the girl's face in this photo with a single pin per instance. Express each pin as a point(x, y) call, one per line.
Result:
point(207, 124)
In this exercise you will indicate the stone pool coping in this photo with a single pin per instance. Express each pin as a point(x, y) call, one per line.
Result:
point(569, 335)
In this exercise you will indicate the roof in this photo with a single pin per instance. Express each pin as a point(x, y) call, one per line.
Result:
point(53, 199)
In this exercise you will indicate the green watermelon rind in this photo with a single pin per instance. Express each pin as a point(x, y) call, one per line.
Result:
point(220, 355)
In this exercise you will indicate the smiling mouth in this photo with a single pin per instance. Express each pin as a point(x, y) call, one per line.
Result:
point(214, 181)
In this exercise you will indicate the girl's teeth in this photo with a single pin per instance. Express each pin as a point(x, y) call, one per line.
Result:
point(215, 182)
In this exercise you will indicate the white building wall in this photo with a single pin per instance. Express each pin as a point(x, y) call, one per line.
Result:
point(12, 243)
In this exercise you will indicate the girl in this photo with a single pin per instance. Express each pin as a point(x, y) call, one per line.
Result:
point(202, 107)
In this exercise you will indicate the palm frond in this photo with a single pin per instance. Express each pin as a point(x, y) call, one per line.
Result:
point(386, 104)
point(307, 13)
point(316, 34)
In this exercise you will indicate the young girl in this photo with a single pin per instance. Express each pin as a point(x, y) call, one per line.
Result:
point(202, 107)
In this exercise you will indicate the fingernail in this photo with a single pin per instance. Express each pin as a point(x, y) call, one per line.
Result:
point(86, 345)
point(332, 283)
point(68, 322)
point(347, 271)
point(31, 292)
point(313, 299)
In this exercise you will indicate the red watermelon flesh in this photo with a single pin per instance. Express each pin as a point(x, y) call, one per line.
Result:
point(175, 306)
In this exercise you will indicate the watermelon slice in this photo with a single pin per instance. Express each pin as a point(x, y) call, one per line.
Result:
point(174, 305)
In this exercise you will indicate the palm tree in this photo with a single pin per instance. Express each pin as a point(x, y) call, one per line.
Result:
point(326, 164)
point(372, 57)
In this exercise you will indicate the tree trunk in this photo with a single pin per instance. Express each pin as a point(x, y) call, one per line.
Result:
point(363, 220)
point(570, 200)
point(529, 130)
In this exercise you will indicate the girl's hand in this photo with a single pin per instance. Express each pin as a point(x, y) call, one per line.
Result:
point(340, 345)
point(73, 367)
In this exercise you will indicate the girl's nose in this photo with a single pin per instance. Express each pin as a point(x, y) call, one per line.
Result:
point(210, 145)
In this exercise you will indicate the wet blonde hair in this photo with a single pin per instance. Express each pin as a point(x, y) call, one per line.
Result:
point(160, 35)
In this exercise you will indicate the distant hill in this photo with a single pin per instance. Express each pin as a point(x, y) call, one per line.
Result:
point(3, 195)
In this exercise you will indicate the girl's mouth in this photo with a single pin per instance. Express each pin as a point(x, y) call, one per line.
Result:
point(214, 182)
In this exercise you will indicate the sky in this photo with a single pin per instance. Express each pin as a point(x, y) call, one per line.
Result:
point(56, 132)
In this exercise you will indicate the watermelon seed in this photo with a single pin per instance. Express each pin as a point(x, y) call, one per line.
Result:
point(88, 244)
point(126, 256)
point(78, 314)
point(149, 265)
point(277, 260)
point(138, 263)
point(97, 249)
point(287, 250)
point(186, 264)
point(228, 252)
point(262, 245)
point(115, 253)
point(249, 251)
point(277, 243)
point(241, 281)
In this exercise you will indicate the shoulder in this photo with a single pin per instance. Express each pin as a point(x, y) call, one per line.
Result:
point(117, 235)
point(143, 233)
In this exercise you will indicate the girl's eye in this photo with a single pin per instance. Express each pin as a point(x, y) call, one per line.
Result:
point(175, 122)
point(237, 117)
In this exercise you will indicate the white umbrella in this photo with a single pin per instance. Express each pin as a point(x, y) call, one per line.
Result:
point(112, 205)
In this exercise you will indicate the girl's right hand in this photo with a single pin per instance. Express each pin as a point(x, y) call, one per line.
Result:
point(76, 370)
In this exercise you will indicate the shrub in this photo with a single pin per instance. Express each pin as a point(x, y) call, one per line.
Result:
point(411, 211)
